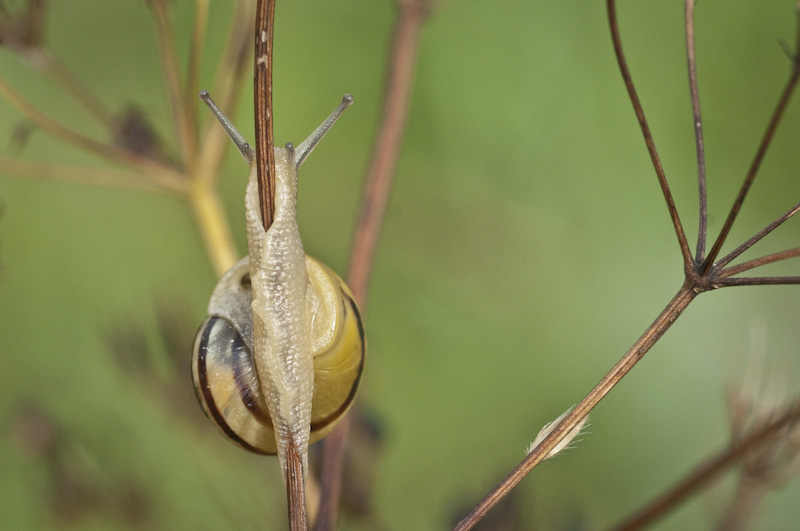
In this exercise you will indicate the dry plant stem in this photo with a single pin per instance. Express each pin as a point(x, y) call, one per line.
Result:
point(42, 60)
point(231, 71)
point(333, 452)
point(756, 281)
point(748, 493)
point(405, 41)
point(90, 176)
point(710, 470)
point(265, 167)
point(151, 169)
point(648, 137)
point(758, 262)
point(265, 159)
point(757, 237)
point(783, 102)
point(213, 225)
point(182, 118)
point(410, 19)
point(204, 198)
point(295, 490)
point(87, 175)
point(698, 131)
point(653, 333)
point(195, 49)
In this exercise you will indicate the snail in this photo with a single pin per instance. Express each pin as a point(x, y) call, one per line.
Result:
point(278, 361)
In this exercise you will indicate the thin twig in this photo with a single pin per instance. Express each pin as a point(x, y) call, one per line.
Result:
point(410, 19)
point(758, 262)
point(756, 281)
point(653, 333)
point(213, 226)
point(709, 470)
point(648, 136)
point(231, 71)
point(265, 167)
point(757, 237)
point(93, 176)
point(783, 102)
point(698, 132)
point(50, 66)
point(411, 16)
point(265, 158)
point(193, 64)
point(181, 117)
point(106, 151)
point(295, 489)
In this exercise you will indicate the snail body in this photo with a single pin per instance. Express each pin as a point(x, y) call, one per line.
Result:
point(278, 361)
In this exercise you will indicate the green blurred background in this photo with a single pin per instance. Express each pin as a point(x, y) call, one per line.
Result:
point(526, 246)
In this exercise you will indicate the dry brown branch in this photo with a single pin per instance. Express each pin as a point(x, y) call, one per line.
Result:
point(710, 470)
point(410, 20)
point(700, 276)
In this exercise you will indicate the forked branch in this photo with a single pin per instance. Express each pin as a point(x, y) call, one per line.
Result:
point(699, 277)
point(698, 131)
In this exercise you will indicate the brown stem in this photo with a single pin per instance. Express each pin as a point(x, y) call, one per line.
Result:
point(265, 167)
point(757, 237)
point(653, 333)
point(184, 126)
point(195, 52)
point(231, 71)
point(783, 102)
point(333, 453)
point(648, 136)
point(698, 131)
point(749, 492)
point(295, 489)
point(94, 176)
point(758, 262)
point(708, 471)
point(156, 171)
point(399, 83)
point(756, 281)
point(265, 158)
point(410, 19)
point(48, 64)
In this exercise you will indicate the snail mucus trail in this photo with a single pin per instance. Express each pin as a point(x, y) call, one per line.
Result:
point(279, 359)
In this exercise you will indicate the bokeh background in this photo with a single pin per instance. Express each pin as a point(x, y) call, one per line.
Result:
point(526, 246)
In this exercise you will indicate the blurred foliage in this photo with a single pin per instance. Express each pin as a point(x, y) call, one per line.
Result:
point(526, 246)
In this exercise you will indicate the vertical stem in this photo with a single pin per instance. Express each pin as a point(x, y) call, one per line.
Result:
point(265, 158)
point(400, 77)
point(265, 168)
point(295, 490)
point(184, 127)
point(195, 52)
point(213, 226)
point(698, 132)
point(399, 82)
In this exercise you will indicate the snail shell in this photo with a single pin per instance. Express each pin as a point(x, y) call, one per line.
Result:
point(224, 373)
point(278, 361)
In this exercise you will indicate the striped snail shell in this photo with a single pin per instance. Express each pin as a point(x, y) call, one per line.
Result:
point(278, 361)
point(225, 378)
